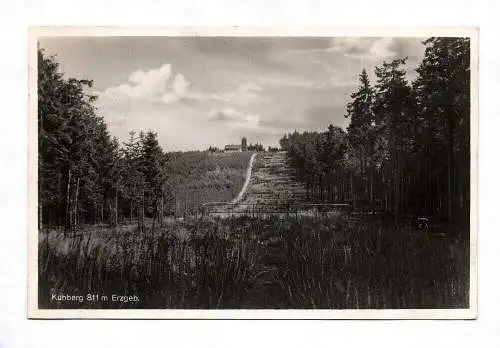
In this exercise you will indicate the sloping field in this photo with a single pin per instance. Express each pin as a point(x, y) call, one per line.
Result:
point(272, 189)
point(272, 182)
point(200, 177)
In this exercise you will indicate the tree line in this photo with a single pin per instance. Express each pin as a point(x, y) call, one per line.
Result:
point(406, 149)
point(84, 175)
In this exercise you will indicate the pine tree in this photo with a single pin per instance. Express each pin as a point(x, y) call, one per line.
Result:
point(65, 118)
point(393, 118)
point(152, 166)
point(361, 135)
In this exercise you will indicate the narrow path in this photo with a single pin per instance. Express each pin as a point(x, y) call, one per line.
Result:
point(272, 182)
point(247, 181)
point(269, 182)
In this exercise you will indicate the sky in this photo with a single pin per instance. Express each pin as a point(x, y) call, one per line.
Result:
point(196, 92)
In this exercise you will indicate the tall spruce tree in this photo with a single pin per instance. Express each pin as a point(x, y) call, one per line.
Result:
point(361, 136)
point(66, 117)
point(393, 117)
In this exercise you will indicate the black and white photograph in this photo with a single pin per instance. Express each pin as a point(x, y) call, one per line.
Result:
point(253, 174)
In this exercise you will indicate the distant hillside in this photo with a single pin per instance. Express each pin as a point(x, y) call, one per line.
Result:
point(199, 177)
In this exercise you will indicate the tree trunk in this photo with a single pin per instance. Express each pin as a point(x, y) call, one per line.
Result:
point(75, 216)
point(141, 214)
point(353, 198)
point(40, 213)
point(67, 219)
point(371, 188)
point(450, 175)
point(116, 208)
point(364, 178)
point(96, 213)
point(162, 208)
point(139, 226)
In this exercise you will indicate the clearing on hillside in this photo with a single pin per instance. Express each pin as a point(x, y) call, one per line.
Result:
point(273, 189)
point(200, 177)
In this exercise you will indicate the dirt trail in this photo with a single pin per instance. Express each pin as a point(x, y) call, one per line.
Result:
point(247, 181)
point(269, 183)
point(272, 181)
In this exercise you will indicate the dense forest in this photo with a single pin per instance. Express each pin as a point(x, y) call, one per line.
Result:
point(85, 175)
point(407, 147)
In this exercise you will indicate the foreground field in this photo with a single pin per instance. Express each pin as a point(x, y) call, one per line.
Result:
point(243, 262)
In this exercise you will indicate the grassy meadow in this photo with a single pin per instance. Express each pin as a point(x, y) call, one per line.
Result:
point(334, 262)
point(200, 177)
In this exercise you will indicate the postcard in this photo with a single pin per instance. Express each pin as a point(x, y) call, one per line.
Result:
point(253, 173)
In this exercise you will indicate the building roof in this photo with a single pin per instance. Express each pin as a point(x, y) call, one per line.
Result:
point(232, 147)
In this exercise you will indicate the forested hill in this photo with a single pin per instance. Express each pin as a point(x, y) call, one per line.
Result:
point(407, 147)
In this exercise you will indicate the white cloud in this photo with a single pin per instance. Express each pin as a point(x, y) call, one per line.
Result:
point(363, 48)
point(180, 85)
point(153, 86)
point(149, 85)
point(177, 91)
point(381, 48)
point(234, 118)
point(245, 93)
point(349, 44)
point(161, 86)
point(151, 76)
point(169, 98)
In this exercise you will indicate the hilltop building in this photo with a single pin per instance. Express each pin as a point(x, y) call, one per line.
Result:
point(237, 148)
point(232, 148)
